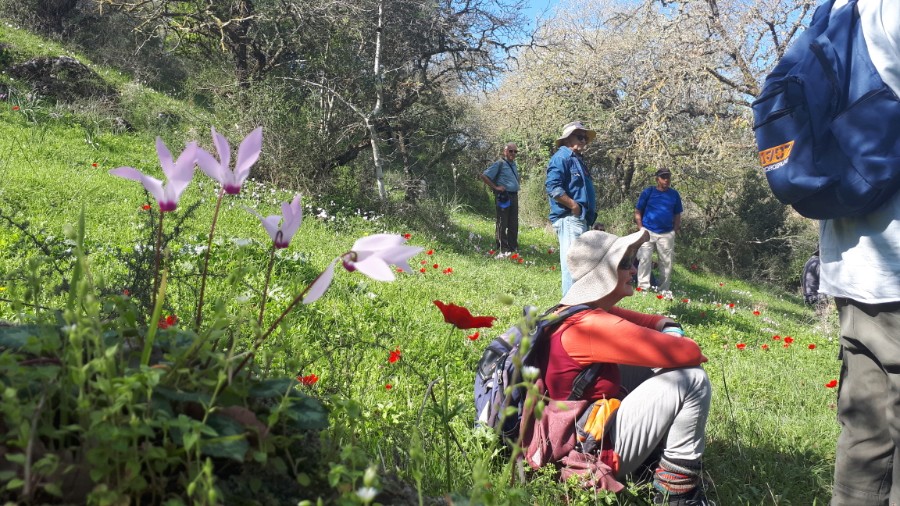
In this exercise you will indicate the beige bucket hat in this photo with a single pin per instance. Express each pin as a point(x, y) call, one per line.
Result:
point(593, 261)
point(569, 128)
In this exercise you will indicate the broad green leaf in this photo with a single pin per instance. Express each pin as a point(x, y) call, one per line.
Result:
point(271, 388)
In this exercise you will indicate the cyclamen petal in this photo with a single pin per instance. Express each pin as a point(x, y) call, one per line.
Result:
point(377, 242)
point(321, 284)
point(247, 155)
point(289, 222)
point(376, 268)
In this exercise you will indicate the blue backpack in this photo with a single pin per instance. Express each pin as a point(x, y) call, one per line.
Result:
point(827, 126)
point(499, 397)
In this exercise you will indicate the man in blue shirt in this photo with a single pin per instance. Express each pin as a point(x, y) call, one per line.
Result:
point(659, 211)
point(573, 203)
point(503, 178)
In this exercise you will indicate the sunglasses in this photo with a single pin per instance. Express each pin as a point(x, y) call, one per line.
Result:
point(512, 151)
point(627, 262)
point(581, 137)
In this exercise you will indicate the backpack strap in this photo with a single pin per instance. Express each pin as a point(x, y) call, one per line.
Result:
point(584, 378)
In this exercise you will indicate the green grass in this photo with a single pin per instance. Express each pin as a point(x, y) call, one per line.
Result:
point(771, 432)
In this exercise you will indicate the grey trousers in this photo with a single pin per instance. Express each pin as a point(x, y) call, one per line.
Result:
point(866, 468)
point(668, 407)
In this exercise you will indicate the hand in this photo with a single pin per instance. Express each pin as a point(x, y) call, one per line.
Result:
point(500, 188)
point(576, 211)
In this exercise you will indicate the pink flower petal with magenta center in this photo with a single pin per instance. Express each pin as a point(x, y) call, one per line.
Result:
point(321, 284)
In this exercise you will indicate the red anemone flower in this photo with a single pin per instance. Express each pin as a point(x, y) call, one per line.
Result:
point(308, 380)
point(765, 347)
point(639, 289)
point(430, 252)
point(731, 305)
point(788, 339)
point(660, 296)
point(388, 386)
point(15, 108)
point(811, 346)
point(741, 346)
point(831, 384)
point(685, 300)
point(407, 236)
point(94, 164)
point(490, 252)
point(422, 270)
point(756, 313)
point(461, 318)
point(435, 266)
point(395, 356)
point(521, 260)
point(168, 321)
point(514, 256)
point(448, 270)
point(474, 336)
point(721, 284)
point(776, 337)
point(145, 207)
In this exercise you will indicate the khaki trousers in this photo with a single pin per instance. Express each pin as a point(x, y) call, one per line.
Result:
point(665, 249)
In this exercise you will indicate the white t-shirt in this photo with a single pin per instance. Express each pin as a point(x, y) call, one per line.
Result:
point(861, 256)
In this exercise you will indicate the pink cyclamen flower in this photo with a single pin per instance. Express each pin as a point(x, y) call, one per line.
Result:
point(371, 255)
point(178, 172)
point(290, 219)
point(247, 155)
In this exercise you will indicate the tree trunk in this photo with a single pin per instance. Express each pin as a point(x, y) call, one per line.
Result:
point(376, 111)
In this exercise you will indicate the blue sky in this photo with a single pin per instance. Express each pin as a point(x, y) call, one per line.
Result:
point(536, 7)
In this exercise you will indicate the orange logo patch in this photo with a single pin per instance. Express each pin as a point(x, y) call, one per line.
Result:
point(774, 155)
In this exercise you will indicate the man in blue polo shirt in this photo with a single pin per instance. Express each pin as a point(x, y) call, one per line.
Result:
point(659, 211)
point(503, 178)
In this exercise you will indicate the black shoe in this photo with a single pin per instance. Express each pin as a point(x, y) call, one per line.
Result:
point(695, 497)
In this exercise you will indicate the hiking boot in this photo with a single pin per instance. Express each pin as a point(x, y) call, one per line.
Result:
point(695, 497)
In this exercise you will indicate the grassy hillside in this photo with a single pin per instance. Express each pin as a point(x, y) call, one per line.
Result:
point(771, 434)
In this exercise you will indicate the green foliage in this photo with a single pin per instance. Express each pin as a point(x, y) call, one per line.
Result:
point(187, 427)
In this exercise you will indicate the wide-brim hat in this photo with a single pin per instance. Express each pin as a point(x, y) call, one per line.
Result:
point(593, 261)
point(570, 128)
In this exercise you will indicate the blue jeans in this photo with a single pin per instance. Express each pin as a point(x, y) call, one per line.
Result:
point(568, 228)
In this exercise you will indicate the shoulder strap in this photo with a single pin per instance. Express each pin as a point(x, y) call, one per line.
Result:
point(499, 168)
point(584, 378)
point(647, 202)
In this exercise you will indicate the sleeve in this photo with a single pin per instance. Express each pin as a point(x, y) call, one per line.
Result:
point(491, 172)
point(642, 201)
point(607, 337)
point(678, 208)
point(554, 183)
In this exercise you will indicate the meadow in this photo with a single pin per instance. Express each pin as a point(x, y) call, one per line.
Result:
point(395, 379)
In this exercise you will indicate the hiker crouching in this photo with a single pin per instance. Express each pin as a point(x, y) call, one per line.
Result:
point(648, 391)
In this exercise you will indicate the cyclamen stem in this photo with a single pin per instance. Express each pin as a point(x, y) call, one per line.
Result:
point(159, 234)
point(262, 338)
point(265, 292)
point(212, 229)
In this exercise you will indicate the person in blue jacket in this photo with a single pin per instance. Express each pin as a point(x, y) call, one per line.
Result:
point(573, 202)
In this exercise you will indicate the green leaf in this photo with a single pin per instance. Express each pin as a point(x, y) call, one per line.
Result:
point(181, 396)
point(29, 337)
point(14, 484)
point(306, 413)
point(231, 443)
point(271, 387)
